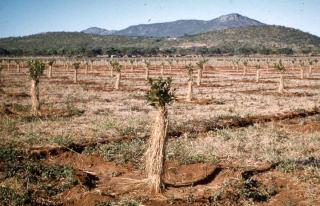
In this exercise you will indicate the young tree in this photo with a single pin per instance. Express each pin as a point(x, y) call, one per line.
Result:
point(50, 63)
point(158, 96)
point(91, 64)
point(245, 64)
point(170, 65)
point(148, 65)
point(36, 69)
point(87, 67)
point(111, 68)
point(18, 65)
point(189, 69)
point(258, 67)
point(76, 66)
point(131, 63)
point(201, 66)
point(162, 68)
point(8, 64)
point(116, 66)
point(310, 68)
point(301, 70)
point(281, 69)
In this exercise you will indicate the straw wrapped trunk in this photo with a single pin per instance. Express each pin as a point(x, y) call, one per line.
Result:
point(117, 83)
point(156, 151)
point(35, 97)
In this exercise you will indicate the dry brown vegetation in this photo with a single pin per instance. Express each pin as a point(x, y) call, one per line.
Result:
point(238, 141)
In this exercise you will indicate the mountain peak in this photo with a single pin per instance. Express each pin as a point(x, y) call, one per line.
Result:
point(230, 17)
point(180, 27)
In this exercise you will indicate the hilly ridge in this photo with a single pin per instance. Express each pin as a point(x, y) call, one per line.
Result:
point(180, 27)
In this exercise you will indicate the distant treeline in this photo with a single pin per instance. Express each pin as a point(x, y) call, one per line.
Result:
point(150, 51)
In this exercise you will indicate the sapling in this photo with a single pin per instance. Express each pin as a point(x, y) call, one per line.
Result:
point(76, 66)
point(116, 66)
point(18, 65)
point(50, 63)
point(87, 67)
point(301, 70)
point(91, 64)
point(258, 67)
point(111, 68)
point(245, 64)
point(158, 96)
point(131, 63)
point(147, 67)
point(8, 64)
point(170, 65)
point(281, 69)
point(36, 69)
point(162, 68)
point(310, 68)
point(201, 66)
point(189, 69)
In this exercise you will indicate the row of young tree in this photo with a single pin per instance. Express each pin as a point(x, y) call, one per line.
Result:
point(159, 95)
point(151, 51)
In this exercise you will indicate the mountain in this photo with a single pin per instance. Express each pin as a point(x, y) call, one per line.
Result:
point(252, 39)
point(182, 27)
point(98, 31)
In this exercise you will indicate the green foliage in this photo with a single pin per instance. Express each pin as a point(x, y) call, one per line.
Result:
point(36, 68)
point(201, 63)
point(76, 65)
point(160, 92)
point(258, 66)
point(310, 62)
point(116, 66)
point(51, 62)
point(34, 175)
point(252, 189)
point(147, 63)
point(245, 63)
point(279, 66)
point(123, 152)
point(189, 69)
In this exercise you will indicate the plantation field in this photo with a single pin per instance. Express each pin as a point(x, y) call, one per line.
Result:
point(237, 142)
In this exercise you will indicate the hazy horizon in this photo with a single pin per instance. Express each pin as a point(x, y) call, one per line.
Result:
point(21, 18)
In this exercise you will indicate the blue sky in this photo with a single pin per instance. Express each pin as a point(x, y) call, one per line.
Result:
point(24, 17)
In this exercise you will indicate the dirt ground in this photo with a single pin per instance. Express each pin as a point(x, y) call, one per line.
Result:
point(238, 142)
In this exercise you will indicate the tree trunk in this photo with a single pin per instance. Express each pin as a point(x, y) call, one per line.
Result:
point(35, 97)
point(199, 77)
point(111, 71)
point(18, 68)
point(132, 67)
point(162, 70)
point(281, 84)
point(117, 84)
point(75, 77)
point(86, 71)
point(244, 71)
point(156, 151)
point(310, 71)
point(50, 72)
point(301, 73)
point(258, 75)
point(189, 94)
point(147, 73)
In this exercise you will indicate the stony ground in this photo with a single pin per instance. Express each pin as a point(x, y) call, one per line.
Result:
point(237, 143)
